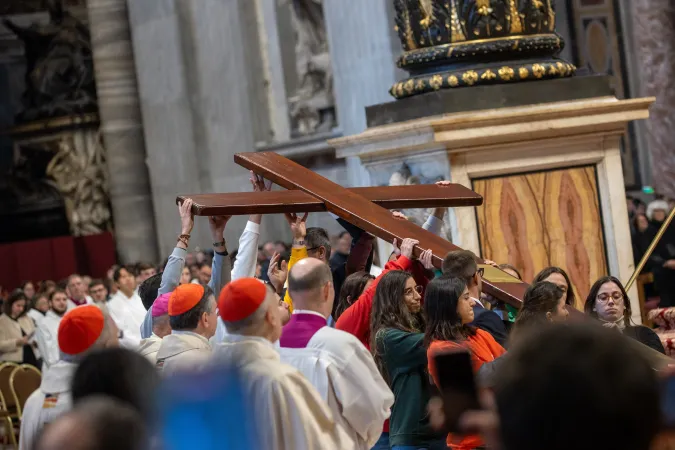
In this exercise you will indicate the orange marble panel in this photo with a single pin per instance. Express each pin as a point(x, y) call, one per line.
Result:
point(544, 219)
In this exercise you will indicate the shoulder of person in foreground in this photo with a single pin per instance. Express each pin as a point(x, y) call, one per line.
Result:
point(303, 419)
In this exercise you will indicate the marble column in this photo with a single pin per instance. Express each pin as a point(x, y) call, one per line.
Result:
point(363, 49)
point(195, 100)
point(122, 130)
point(654, 35)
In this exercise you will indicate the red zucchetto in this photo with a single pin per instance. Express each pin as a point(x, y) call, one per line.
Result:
point(184, 298)
point(241, 298)
point(80, 328)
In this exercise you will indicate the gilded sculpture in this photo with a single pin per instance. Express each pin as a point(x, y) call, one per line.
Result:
point(453, 40)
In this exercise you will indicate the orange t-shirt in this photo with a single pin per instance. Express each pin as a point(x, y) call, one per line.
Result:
point(483, 348)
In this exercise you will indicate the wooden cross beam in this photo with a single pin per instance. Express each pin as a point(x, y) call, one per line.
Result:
point(368, 216)
point(296, 201)
point(366, 208)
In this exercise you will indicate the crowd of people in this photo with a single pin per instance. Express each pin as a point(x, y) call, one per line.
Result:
point(325, 351)
point(645, 222)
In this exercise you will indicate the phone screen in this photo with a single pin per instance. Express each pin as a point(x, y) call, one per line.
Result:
point(457, 386)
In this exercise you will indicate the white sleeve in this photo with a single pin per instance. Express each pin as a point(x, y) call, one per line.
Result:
point(247, 254)
point(300, 419)
point(30, 422)
point(434, 225)
point(47, 345)
point(365, 397)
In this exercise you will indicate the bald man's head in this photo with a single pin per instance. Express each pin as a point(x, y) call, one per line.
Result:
point(310, 285)
point(98, 423)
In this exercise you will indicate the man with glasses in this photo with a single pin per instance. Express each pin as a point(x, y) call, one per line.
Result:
point(462, 264)
point(98, 291)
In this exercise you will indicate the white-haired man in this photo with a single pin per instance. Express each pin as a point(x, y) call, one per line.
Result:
point(82, 330)
point(278, 395)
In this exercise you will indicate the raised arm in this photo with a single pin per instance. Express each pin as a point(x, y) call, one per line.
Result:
point(176, 261)
point(247, 255)
point(221, 266)
point(299, 251)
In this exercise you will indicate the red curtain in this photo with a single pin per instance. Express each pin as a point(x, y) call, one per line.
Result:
point(55, 259)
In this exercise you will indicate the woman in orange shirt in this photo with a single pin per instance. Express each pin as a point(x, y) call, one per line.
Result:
point(449, 311)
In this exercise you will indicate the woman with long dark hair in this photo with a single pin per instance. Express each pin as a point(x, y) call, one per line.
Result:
point(397, 344)
point(609, 303)
point(448, 307)
point(559, 277)
point(352, 288)
point(543, 303)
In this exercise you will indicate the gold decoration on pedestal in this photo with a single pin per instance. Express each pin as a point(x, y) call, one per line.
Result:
point(480, 36)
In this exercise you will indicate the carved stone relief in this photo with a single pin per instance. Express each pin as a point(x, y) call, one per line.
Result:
point(312, 105)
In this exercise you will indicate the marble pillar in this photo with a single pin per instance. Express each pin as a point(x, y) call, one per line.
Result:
point(122, 130)
point(363, 49)
point(195, 101)
point(654, 34)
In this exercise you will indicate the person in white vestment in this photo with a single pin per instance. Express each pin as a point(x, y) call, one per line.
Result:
point(46, 333)
point(39, 307)
point(336, 362)
point(277, 394)
point(160, 328)
point(192, 316)
point(82, 330)
point(126, 308)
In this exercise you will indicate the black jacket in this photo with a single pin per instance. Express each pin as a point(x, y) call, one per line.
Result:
point(489, 321)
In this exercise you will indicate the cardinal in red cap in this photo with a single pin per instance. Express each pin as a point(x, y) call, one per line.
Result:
point(82, 330)
point(193, 318)
point(278, 393)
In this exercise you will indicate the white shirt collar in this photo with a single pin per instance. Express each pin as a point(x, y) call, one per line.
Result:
point(307, 311)
point(478, 301)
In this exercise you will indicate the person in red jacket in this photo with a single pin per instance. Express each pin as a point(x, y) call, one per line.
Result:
point(356, 318)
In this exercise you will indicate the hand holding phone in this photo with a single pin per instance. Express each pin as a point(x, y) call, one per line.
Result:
point(457, 386)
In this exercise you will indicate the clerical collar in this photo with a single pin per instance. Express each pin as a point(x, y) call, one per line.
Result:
point(79, 302)
point(307, 311)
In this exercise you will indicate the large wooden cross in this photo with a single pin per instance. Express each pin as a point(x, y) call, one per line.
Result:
point(367, 208)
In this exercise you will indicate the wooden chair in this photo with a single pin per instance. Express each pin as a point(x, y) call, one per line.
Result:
point(6, 419)
point(24, 380)
point(8, 411)
point(8, 403)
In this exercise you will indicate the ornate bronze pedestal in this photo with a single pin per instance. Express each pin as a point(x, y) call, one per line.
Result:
point(458, 43)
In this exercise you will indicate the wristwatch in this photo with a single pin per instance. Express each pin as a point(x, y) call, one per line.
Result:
point(219, 244)
point(299, 242)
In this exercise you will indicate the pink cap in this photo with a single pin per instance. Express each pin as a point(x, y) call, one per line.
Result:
point(161, 305)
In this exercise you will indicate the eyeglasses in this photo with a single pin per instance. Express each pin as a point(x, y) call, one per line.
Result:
point(417, 289)
point(617, 296)
point(480, 271)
